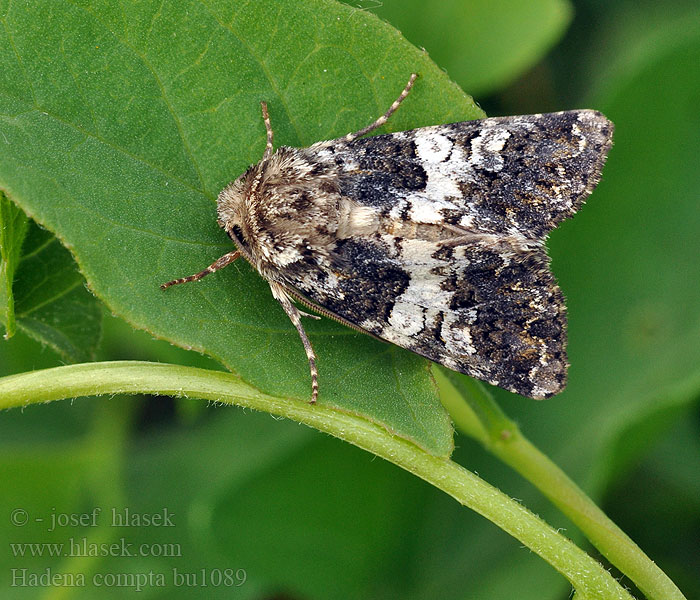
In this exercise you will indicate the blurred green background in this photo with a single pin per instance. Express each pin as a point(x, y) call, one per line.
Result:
point(296, 514)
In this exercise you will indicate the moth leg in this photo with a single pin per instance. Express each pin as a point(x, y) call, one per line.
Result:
point(219, 263)
point(385, 117)
point(295, 317)
point(305, 314)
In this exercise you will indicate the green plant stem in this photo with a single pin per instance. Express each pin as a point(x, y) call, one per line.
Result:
point(587, 576)
point(475, 413)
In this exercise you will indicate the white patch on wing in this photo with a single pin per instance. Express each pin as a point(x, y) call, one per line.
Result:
point(397, 209)
point(441, 159)
point(487, 146)
point(458, 340)
point(444, 164)
point(407, 319)
point(427, 210)
point(416, 252)
point(466, 220)
point(417, 308)
point(582, 141)
point(432, 147)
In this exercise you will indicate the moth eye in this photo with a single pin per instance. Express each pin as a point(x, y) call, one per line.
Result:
point(237, 231)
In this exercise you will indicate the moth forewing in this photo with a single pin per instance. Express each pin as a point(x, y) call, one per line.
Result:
point(431, 239)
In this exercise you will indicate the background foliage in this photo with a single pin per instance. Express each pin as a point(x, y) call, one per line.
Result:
point(305, 515)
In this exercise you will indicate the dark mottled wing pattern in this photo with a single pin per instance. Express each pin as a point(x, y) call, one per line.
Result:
point(456, 268)
point(526, 173)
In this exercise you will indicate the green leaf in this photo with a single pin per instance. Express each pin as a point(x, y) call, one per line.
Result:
point(47, 299)
point(122, 126)
point(13, 228)
point(483, 45)
point(52, 303)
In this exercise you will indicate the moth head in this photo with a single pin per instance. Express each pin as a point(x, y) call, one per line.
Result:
point(233, 205)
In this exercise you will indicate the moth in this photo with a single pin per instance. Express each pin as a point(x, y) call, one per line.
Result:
point(432, 239)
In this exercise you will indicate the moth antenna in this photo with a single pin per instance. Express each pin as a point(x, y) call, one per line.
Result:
point(385, 117)
point(219, 263)
point(295, 317)
point(268, 128)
